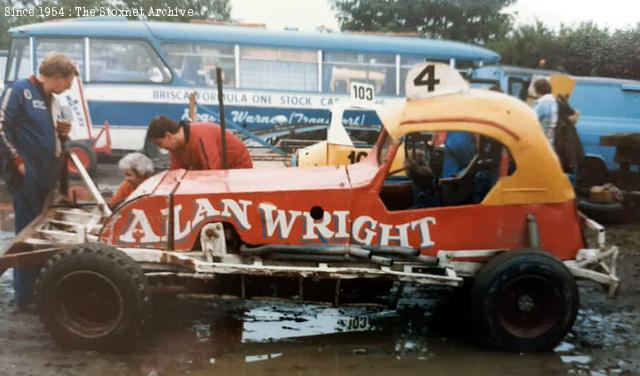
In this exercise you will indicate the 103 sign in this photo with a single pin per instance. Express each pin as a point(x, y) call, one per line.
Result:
point(362, 92)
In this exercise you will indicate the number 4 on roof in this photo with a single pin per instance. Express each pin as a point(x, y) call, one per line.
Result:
point(431, 79)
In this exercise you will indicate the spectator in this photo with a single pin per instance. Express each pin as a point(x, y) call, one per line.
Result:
point(30, 146)
point(136, 168)
point(546, 108)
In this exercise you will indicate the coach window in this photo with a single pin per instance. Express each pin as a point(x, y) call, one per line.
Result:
point(279, 69)
point(3, 66)
point(196, 63)
point(406, 63)
point(72, 48)
point(465, 67)
point(19, 64)
point(125, 61)
point(342, 68)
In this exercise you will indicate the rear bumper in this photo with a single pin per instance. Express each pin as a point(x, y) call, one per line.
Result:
point(598, 264)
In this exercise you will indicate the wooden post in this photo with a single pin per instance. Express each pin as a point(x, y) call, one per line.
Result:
point(192, 106)
point(223, 127)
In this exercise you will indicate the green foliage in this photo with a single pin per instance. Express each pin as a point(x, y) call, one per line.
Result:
point(526, 45)
point(584, 50)
point(476, 21)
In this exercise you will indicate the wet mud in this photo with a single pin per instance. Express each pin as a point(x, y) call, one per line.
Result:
point(199, 337)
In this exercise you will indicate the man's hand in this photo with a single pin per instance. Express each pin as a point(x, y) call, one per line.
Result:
point(21, 169)
point(63, 128)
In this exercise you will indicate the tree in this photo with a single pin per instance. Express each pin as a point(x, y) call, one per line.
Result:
point(586, 49)
point(624, 54)
point(475, 21)
point(583, 50)
point(528, 44)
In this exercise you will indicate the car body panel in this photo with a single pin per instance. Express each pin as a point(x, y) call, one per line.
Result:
point(276, 206)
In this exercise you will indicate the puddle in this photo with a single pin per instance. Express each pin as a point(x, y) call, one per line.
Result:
point(283, 339)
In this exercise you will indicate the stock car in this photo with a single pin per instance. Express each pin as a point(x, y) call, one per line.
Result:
point(506, 228)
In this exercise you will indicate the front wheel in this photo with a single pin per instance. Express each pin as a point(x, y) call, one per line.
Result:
point(524, 300)
point(93, 297)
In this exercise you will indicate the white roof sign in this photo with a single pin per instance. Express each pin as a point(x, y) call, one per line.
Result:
point(431, 79)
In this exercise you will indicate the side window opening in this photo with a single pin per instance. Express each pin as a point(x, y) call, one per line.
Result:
point(196, 63)
point(71, 48)
point(445, 169)
point(518, 87)
point(279, 69)
point(340, 69)
point(19, 65)
point(126, 61)
point(3, 64)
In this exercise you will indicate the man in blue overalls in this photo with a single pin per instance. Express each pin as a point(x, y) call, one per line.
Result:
point(30, 149)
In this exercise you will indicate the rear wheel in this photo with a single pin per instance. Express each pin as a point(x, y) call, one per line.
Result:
point(524, 300)
point(93, 297)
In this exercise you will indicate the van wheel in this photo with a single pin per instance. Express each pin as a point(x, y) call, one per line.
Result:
point(93, 297)
point(86, 155)
point(613, 213)
point(524, 300)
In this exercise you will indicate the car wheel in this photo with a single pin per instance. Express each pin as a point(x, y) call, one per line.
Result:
point(524, 300)
point(93, 297)
point(86, 155)
point(613, 213)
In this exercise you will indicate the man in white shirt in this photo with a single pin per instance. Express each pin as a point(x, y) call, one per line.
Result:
point(546, 107)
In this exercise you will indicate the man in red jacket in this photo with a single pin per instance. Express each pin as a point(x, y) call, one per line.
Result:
point(196, 146)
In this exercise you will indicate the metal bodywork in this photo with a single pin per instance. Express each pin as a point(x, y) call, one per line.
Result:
point(203, 224)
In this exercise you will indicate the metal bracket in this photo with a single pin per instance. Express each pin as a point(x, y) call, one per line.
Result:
point(212, 241)
point(592, 264)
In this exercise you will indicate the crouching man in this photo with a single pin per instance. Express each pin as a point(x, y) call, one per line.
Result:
point(196, 146)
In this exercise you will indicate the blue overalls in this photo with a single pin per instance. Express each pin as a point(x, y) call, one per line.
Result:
point(459, 150)
point(27, 132)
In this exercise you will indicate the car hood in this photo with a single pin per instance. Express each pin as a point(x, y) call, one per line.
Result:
point(182, 182)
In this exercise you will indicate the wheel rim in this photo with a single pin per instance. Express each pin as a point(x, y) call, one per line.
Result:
point(88, 304)
point(529, 306)
point(84, 158)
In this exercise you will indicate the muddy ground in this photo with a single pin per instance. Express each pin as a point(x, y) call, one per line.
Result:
point(197, 337)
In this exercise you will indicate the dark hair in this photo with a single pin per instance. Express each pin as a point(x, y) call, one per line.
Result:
point(159, 126)
point(57, 65)
point(542, 86)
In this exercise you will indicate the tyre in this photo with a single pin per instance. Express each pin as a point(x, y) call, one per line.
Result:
point(86, 155)
point(78, 192)
point(592, 171)
point(523, 301)
point(614, 213)
point(93, 297)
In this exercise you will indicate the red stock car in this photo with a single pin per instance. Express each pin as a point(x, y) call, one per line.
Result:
point(505, 226)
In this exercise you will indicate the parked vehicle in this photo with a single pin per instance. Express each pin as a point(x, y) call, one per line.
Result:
point(135, 70)
point(506, 227)
point(607, 105)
